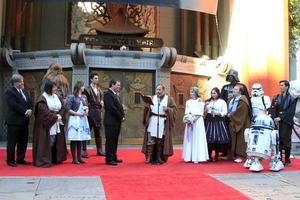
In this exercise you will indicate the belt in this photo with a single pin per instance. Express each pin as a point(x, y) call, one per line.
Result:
point(164, 116)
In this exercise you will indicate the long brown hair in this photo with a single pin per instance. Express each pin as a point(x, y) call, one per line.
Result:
point(77, 87)
point(55, 74)
point(217, 91)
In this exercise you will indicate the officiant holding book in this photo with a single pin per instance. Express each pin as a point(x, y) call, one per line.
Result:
point(159, 120)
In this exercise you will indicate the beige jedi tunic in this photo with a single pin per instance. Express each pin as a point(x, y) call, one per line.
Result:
point(169, 125)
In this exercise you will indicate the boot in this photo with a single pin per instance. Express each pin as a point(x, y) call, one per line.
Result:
point(73, 151)
point(287, 154)
point(79, 153)
point(217, 150)
point(210, 152)
point(84, 152)
point(159, 152)
point(149, 153)
point(99, 146)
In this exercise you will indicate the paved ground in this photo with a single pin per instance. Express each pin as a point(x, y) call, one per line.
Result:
point(54, 188)
point(265, 186)
point(260, 186)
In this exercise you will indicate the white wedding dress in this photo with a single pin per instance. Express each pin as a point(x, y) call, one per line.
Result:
point(194, 143)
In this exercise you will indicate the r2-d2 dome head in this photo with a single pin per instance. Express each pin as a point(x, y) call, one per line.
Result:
point(264, 121)
point(257, 90)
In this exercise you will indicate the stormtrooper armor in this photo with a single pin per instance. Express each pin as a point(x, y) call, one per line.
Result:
point(260, 103)
point(262, 143)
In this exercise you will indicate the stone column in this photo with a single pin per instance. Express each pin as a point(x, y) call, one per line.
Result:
point(214, 37)
point(28, 36)
point(80, 73)
point(19, 23)
point(198, 32)
point(184, 32)
point(207, 47)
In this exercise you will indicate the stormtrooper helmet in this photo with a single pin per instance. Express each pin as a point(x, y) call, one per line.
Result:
point(257, 90)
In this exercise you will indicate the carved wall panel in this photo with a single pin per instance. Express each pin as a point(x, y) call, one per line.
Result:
point(180, 91)
point(132, 83)
point(5, 83)
point(83, 18)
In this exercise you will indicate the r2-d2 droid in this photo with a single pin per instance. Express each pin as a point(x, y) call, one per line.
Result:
point(262, 143)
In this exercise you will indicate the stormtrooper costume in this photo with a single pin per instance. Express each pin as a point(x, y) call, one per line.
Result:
point(260, 103)
point(261, 138)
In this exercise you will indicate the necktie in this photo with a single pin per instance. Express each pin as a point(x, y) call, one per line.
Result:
point(118, 98)
point(23, 95)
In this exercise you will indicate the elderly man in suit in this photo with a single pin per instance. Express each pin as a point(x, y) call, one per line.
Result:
point(113, 117)
point(19, 112)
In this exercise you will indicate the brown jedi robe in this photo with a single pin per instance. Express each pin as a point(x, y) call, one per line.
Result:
point(170, 122)
point(41, 149)
point(239, 120)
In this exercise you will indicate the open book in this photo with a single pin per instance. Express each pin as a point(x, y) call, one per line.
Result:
point(147, 99)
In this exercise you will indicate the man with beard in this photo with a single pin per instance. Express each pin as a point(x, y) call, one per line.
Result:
point(159, 120)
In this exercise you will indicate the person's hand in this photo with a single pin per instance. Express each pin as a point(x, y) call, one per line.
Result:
point(28, 113)
point(59, 118)
point(147, 105)
point(79, 113)
point(102, 103)
point(123, 119)
point(165, 108)
point(277, 119)
point(86, 112)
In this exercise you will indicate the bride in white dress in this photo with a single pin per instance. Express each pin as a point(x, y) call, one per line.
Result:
point(194, 143)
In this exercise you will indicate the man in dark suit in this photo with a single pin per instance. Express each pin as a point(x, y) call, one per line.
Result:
point(19, 112)
point(113, 117)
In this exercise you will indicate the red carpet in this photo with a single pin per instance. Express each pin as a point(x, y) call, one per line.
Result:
point(135, 180)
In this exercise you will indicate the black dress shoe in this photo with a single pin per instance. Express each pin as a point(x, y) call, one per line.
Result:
point(81, 161)
point(23, 162)
point(112, 163)
point(84, 154)
point(118, 160)
point(100, 153)
point(75, 162)
point(12, 164)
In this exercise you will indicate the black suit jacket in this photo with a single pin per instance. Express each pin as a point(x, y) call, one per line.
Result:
point(114, 112)
point(17, 107)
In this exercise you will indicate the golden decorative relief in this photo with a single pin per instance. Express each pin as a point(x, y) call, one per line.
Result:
point(132, 82)
point(85, 17)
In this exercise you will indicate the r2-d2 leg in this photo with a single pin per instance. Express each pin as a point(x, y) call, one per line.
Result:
point(256, 166)
point(249, 162)
point(275, 162)
point(250, 159)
